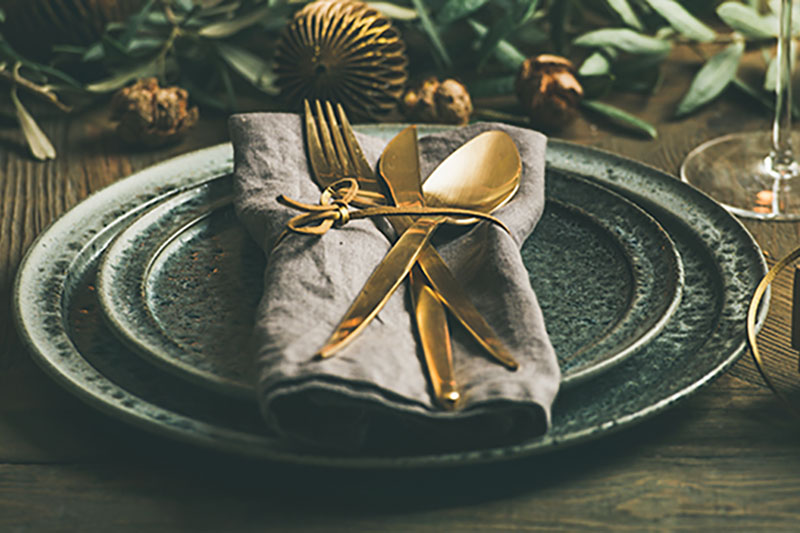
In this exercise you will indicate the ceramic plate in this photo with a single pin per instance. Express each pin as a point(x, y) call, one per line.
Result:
point(181, 283)
point(58, 317)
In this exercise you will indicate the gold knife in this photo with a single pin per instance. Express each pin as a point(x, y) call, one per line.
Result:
point(381, 284)
point(402, 179)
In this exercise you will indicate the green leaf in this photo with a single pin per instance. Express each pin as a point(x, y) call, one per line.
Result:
point(498, 32)
point(113, 49)
point(558, 14)
point(249, 66)
point(145, 45)
point(2, 15)
point(230, 92)
point(123, 77)
point(525, 9)
point(134, 23)
point(623, 9)
point(433, 34)
point(775, 7)
point(620, 117)
point(492, 87)
point(69, 49)
point(597, 64)
point(748, 21)
point(184, 5)
point(682, 20)
point(39, 144)
point(95, 52)
point(453, 10)
point(506, 53)
point(221, 30)
point(712, 78)
point(393, 11)
point(623, 39)
point(771, 75)
point(530, 35)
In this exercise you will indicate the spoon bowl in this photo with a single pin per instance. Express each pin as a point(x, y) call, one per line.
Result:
point(482, 175)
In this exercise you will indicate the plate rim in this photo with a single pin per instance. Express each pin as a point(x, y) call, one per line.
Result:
point(21, 306)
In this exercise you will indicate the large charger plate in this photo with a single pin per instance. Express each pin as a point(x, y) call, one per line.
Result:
point(181, 283)
point(58, 317)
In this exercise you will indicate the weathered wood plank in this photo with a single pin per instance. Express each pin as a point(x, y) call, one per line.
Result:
point(581, 489)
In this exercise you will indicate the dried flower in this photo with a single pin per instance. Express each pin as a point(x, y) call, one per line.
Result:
point(446, 102)
point(152, 115)
point(548, 91)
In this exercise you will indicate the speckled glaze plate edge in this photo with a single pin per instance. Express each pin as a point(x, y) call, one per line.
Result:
point(123, 289)
point(39, 285)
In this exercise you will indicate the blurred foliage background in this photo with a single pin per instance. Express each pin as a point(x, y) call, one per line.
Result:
point(68, 53)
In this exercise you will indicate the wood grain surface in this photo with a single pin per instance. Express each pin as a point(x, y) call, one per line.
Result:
point(728, 457)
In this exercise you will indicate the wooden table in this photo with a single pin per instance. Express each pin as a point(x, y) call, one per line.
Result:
point(728, 457)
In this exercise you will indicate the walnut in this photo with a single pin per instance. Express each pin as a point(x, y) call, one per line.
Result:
point(446, 102)
point(152, 115)
point(548, 91)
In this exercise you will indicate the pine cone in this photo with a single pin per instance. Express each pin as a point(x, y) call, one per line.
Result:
point(446, 102)
point(152, 115)
point(548, 91)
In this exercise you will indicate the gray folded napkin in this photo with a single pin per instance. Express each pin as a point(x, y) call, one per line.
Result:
point(374, 394)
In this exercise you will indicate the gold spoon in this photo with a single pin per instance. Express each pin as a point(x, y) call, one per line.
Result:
point(482, 175)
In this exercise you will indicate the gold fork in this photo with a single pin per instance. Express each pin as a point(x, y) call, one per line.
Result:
point(334, 153)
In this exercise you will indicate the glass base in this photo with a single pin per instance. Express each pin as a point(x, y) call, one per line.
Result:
point(738, 172)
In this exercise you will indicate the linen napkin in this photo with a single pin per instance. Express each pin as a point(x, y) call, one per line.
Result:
point(374, 394)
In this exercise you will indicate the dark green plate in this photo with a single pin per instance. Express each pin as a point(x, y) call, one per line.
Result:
point(58, 317)
point(181, 283)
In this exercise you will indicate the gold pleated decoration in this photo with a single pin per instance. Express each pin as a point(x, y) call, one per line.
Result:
point(343, 51)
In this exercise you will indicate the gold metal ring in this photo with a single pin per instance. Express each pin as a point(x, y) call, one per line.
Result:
point(752, 314)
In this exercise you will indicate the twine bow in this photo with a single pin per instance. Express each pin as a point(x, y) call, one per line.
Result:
point(333, 210)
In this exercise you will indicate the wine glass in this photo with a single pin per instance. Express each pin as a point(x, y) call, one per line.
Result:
point(755, 174)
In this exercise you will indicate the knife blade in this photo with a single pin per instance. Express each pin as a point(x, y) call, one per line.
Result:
point(381, 284)
point(435, 339)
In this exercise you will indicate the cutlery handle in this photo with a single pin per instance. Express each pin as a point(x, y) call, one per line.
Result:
point(435, 339)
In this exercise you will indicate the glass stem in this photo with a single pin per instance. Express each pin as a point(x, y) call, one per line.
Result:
point(782, 157)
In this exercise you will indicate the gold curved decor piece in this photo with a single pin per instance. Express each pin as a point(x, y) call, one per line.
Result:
point(342, 51)
point(752, 317)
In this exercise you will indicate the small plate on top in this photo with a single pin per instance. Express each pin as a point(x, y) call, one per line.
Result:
point(180, 285)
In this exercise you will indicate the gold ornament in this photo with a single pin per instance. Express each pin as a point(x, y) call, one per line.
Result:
point(343, 51)
point(35, 25)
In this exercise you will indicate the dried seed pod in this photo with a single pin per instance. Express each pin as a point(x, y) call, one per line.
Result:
point(446, 102)
point(152, 115)
point(344, 51)
point(548, 91)
point(36, 25)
